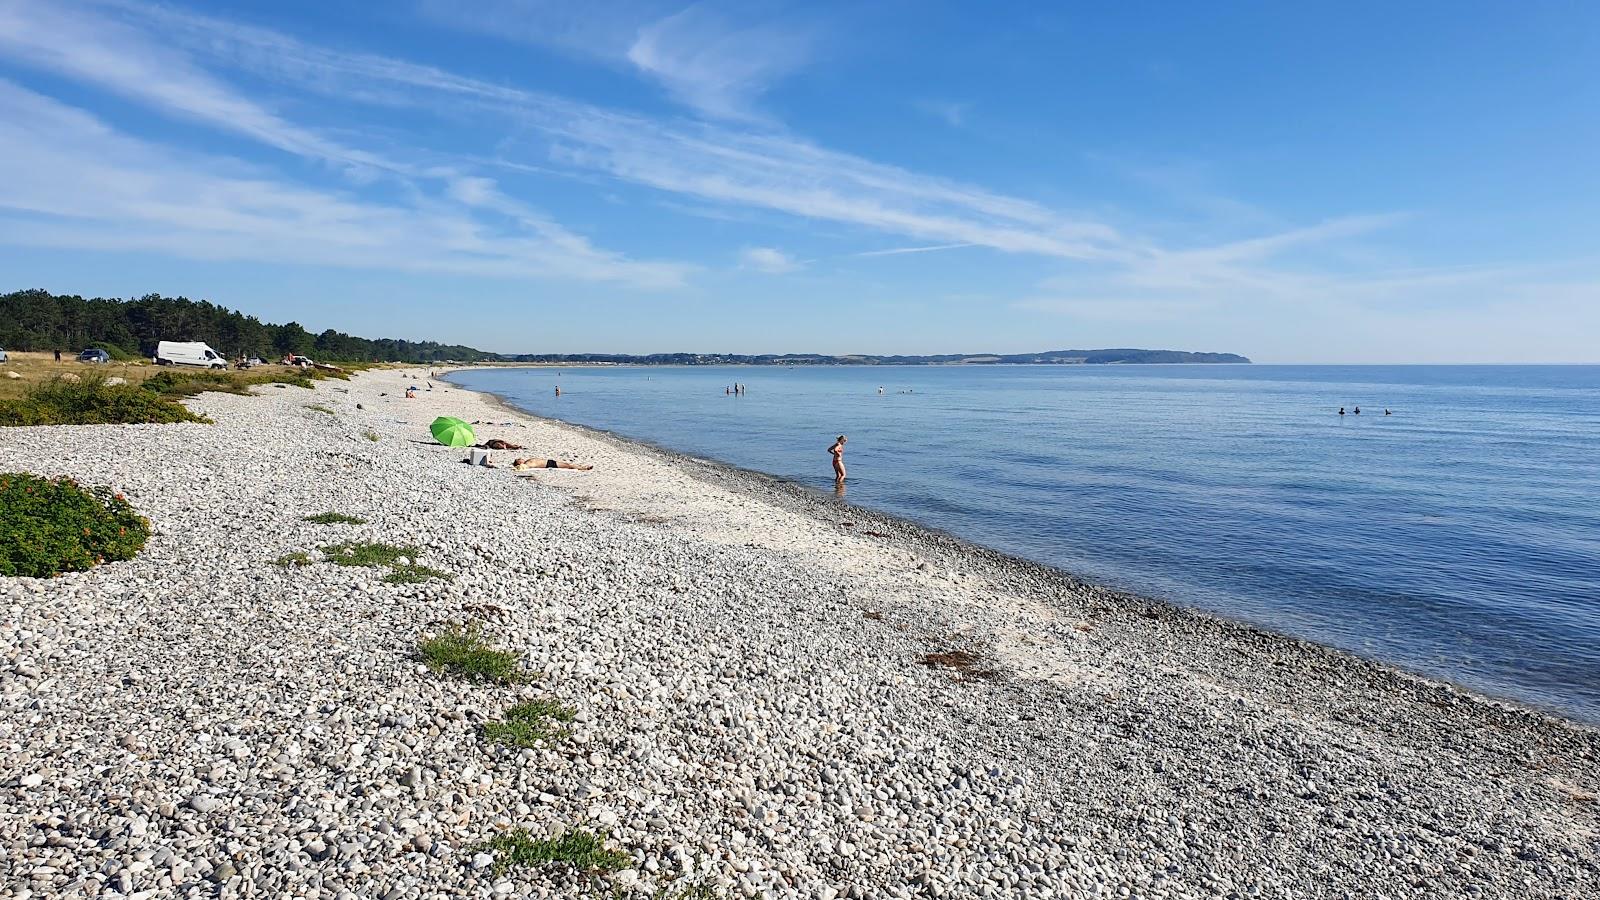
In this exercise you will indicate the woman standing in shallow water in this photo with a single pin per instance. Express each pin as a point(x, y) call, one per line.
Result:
point(838, 459)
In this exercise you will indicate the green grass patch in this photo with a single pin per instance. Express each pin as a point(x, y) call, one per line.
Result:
point(361, 553)
point(189, 382)
point(415, 574)
point(54, 525)
point(318, 407)
point(333, 518)
point(292, 560)
point(531, 724)
point(91, 401)
point(582, 850)
point(371, 435)
point(461, 651)
point(688, 892)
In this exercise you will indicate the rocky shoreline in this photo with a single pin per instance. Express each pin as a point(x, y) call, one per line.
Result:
point(770, 701)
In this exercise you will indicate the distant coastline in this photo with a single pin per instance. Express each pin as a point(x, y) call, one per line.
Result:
point(1046, 358)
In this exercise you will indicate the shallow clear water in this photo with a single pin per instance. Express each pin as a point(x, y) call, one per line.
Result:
point(1459, 537)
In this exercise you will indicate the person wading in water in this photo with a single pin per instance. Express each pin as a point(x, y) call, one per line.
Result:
point(838, 459)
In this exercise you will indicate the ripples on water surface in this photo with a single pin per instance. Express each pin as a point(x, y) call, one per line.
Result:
point(1459, 537)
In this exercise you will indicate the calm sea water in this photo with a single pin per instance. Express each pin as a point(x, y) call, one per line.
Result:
point(1458, 537)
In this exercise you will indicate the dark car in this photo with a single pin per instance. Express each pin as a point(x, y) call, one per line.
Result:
point(94, 356)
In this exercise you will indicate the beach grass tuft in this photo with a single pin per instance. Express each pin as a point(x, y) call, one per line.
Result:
point(292, 560)
point(91, 399)
point(688, 892)
point(460, 650)
point(531, 724)
point(333, 518)
point(371, 435)
point(318, 407)
point(582, 850)
point(415, 574)
point(362, 553)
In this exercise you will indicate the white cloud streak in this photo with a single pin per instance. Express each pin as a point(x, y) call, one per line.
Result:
point(715, 65)
point(706, 162)
point(294, 223)
point(117, 46)
point(768, 259)
point(89, 187)
point(898, 251)
point(715, 58)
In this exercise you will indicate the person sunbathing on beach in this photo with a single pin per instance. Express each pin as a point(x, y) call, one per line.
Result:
point(537, 463)
point(497, 444)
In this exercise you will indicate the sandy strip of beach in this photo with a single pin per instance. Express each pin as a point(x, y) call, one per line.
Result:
point(776, 695)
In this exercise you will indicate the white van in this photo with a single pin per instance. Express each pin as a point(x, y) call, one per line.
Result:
point(188, 353)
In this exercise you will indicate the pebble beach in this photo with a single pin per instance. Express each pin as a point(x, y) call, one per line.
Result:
point(775, 695)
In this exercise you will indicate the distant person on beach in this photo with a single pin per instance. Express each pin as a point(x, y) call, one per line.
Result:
point(880, 390)
point(1341, 410)
point(497, 444)
point(58, 356)
point(838, 459)
point(1357, 410)
point(558, 390)
point(537, 463)
point(411, 392)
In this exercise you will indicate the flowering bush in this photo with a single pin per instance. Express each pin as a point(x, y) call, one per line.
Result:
point(53, 525)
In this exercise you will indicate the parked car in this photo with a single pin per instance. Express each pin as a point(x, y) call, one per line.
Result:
point(189, 353)
point(303, 362)
point(252, 362)
point(94, 356)
point(3, 357)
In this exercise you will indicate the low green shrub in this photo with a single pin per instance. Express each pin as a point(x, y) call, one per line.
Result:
point(318, 407)
point(362, 553)
point(91, 401)
point(333, 518)
point(54, 525)
point(582, 850)
point(415, 574)
point(531, 724)
point(189, 382)
point(292, 560)
point(688, 892)
point(462, 651)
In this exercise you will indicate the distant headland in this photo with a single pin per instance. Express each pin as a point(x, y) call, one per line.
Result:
point(1046, 358)
point(40, 321)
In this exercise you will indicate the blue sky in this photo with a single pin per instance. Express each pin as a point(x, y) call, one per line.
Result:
point(1299, 182)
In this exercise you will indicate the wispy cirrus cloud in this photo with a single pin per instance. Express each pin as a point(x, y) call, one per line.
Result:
point(770, 260)
point(899, 251)
point(170, 61)
point(715, 58)
point(89, 186)
point(702, 161)
point(716, 64)
point(261, 216)
point(950, 112)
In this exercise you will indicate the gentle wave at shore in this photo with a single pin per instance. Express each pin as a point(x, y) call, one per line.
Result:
point(1456, 537)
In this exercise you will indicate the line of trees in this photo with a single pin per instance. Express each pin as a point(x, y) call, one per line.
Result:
point(40, 320)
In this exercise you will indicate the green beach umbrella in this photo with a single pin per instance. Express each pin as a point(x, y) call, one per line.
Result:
point(451, 432)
